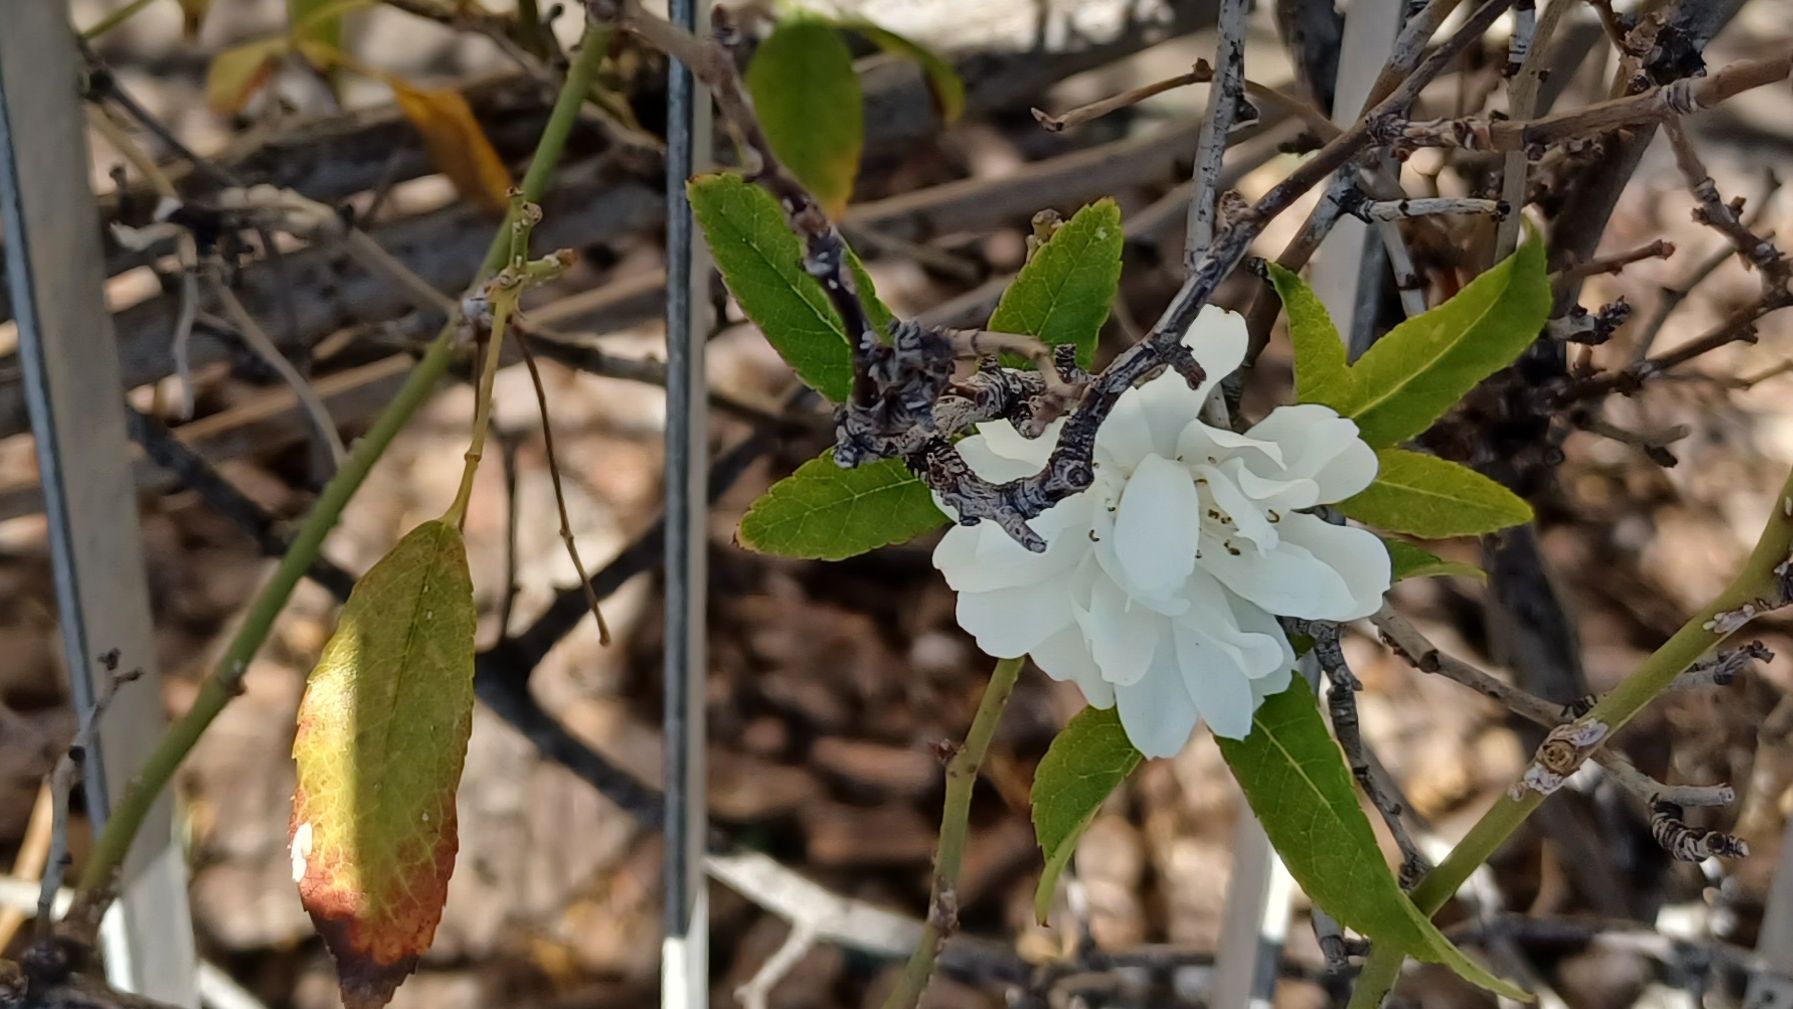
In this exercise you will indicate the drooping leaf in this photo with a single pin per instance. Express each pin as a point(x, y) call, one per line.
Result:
point(828, 513)
point(807, 96)
point(762, 261)
point(1296, 781)
point(238, 72)
point(1321, 373)
point(1064, 292)
point(457, 145)
point(1432, 498)
point(1426, 364)
point(382, 733)
point(1409, 561)
point(1085, 762)
point(944, 82)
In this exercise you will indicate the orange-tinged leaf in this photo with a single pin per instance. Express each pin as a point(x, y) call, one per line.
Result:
point(381, 738)
point(457, 145)
point(238, 72)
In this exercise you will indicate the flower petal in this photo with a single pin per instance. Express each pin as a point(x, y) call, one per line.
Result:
point(1218, 340)
point(1123, 635)
point(1240, 515)
point(1264, 687)
point(1286, 579)
point(1213, 616)
point(1066, 656)
point(1156, 527)
point(1125, 436)
point(1220, 689)
point(1357, 555)
point(1157, 711)
point(1005, 441)
point(982, 557)
point(1319, 445)
point(1011, 622)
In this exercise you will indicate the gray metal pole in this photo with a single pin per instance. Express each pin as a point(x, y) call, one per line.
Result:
point(684, 967)
point(70, 364)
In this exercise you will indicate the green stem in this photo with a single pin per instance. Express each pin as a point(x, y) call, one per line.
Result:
point(961, 778)
point(127, 816)
point(1762, 584)
point(482, 407)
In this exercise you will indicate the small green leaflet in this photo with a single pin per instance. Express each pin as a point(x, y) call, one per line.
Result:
point(943, 81)
point(807, 97)
point(1409, 561)
point(1411, 376)
point(1064, 292)
point(1296, 781)
point(762, 261)
point(1085, 762)
point(828, 513)
point(1423, 495)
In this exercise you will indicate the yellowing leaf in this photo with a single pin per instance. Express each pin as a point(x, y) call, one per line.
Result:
point(315, 21)
point(457, 145)
point(237, 73)
point(381, 737)
point(807, 97)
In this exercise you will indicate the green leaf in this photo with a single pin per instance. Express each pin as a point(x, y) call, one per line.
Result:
point(762, 261)
point(1064, 292)
point(1295, 779)
point(1321, 373)
point(315, 21)
point(1409, 561)
point(1432, 498)
point(1426, 364)
point(1085, 762)
point(808, 101)
point(382, 732)
point(943, 79)
point(828, 513)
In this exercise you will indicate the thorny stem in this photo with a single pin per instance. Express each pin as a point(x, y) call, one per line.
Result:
point(1764, 583)
point(224, 683)
point(961, 778)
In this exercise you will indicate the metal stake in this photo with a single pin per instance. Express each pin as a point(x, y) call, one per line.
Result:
point(70, 363)
point(684, 965)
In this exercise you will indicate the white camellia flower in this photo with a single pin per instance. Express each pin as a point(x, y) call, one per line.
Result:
point(1160, 585)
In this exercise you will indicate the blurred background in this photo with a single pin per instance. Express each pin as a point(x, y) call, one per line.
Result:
point(832, 684)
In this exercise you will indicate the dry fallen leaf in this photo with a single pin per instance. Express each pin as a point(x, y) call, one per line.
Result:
point(457, 145)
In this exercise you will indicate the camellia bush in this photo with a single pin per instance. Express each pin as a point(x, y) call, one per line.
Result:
point(1126, 525)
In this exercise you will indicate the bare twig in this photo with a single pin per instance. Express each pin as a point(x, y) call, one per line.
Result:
point(258, 341)
point(62, 784)
point(560, 500)
point(756, 990)
point(1616, 262)
point(1201, 73)
point(1226, 98)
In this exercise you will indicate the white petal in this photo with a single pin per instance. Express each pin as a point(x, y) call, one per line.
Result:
point(1319, 445)
point(1169, 405)
point(1246, 517)
point(1252, 619)
point(1266, 686)
point(1066, 656)
point(982, 557)
point(1004, 440)
point(1286, 579)
point(1220, 690)
point(1213, 617)
point(1157, 711)
point(1011, 622)
point(981, 455)
point(1218, 340)
point(1125, 437)
point(1123, 635)
point(1198, 442)
point(1356, 554)
point(1156, 527)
